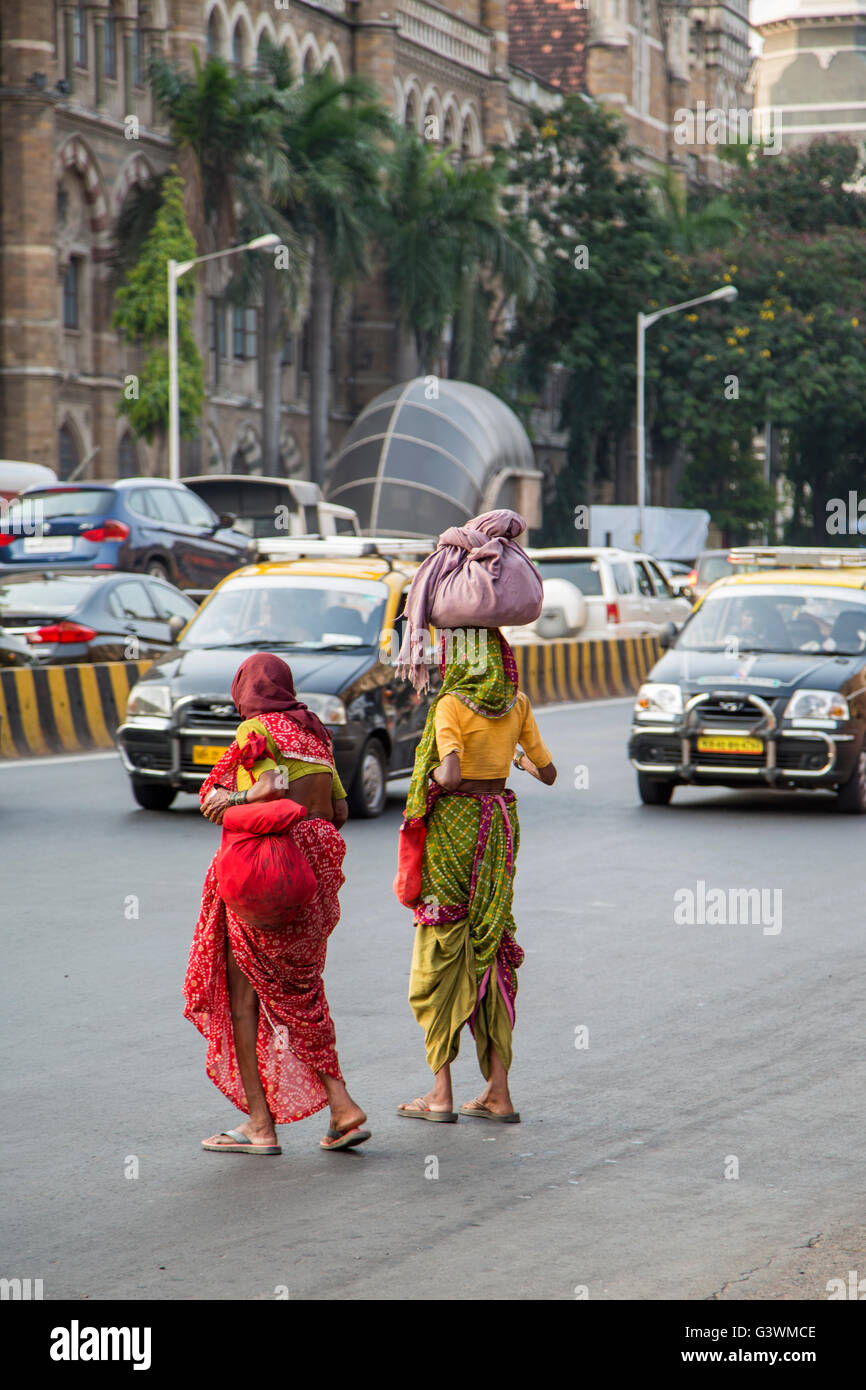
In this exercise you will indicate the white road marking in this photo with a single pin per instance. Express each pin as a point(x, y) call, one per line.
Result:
point(37, 761)
point(539, 710)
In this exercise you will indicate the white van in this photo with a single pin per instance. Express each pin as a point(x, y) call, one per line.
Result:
point(600, 591)
point(273, 509)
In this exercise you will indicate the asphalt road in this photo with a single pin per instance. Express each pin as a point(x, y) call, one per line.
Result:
point(713, 1050)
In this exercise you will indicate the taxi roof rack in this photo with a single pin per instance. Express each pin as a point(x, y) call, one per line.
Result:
point(798, 557)
point(387, 548)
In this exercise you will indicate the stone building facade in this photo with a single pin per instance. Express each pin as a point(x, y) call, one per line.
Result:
point(811, 76)
point(79, 133)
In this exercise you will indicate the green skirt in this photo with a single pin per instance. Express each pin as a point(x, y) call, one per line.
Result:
point(465, 958)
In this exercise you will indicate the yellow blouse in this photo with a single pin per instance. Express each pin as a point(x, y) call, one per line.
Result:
point(486, 746)
point(294, 767)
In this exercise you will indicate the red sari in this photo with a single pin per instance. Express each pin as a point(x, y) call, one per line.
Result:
point(295, 1034)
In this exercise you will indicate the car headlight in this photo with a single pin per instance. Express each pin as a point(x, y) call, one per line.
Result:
point(329, 708)
point(817, 704)
point(658, 701)
point(146, 699)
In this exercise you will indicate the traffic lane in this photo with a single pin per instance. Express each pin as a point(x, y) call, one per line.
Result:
point(613, 1181)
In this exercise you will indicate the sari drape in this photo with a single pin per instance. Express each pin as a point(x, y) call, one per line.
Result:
point(296, 1037)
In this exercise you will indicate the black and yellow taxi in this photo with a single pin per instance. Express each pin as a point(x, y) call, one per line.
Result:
point(336, 621)
point(764, 685)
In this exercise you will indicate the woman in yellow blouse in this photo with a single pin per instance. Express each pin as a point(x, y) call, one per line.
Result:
point(465, 959)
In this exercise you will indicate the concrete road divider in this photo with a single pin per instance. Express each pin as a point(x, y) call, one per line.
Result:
point(552, 672)
point(63, 709)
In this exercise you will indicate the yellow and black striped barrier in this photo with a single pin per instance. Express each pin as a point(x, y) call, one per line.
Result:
point(69, 709)
point(553, 672)
point(63, 709)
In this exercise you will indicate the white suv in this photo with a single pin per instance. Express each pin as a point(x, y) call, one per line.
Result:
point(600, 591)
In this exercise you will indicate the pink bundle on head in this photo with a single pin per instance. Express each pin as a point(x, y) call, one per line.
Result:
point(478, 576)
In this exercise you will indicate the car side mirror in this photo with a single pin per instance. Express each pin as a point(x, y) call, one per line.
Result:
point(176, 626)
point(667, 636)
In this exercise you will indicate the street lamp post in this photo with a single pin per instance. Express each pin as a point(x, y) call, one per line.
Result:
point(645, 321)
point(175, 270)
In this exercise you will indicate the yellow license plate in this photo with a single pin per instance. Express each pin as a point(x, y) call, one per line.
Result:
point(208, 753)
point(720, 743)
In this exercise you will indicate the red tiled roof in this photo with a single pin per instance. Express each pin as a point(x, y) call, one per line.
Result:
point(548, 38)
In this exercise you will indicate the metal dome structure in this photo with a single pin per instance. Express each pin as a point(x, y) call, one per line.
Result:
point(429, 454)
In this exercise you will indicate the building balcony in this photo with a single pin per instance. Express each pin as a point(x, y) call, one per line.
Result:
point(431, 27)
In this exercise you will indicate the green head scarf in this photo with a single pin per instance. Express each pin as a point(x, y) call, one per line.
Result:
point(480, 671)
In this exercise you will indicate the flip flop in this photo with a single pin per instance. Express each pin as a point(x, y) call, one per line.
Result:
point(242, 1145)
point(442, 1117)
point(345, 1138)
point(476, 1111)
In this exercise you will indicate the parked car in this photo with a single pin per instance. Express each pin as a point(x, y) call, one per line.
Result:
point(14, 651)
point(600, 591)
point(272, 509)
point(764, 686)
point(70, 616)
point(148, 525)
point(336, 622)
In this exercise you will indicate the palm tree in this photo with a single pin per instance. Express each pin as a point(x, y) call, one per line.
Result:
point(450, 254)
point(225, 124)
point(690, 229)
point(325, 172)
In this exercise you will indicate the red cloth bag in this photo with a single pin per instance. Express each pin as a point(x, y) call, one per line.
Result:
point(262, 874)
point(410, 854)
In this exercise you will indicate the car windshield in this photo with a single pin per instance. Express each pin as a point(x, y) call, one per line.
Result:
point(316, 612)
point(55, 595)
point(45, 505)
point(584, 574)
point(781, 618)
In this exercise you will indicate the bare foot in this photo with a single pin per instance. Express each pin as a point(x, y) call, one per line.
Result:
point(258, 1135)
point(347, 1116)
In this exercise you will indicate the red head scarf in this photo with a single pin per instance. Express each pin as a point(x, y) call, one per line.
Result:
point(263, 684)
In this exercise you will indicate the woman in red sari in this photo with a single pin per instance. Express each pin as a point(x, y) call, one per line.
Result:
point(257, 996)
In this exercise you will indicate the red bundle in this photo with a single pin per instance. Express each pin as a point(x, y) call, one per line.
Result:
point(262, 874)
point(410, 858)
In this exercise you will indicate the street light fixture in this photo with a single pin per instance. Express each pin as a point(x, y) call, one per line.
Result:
point(645, 321)
point(175, 270)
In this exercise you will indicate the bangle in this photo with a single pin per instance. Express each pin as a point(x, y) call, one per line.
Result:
point(518, 764)
point(237, 798)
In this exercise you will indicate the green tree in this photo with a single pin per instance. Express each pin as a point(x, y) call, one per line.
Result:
point(226, 127)
point(326, 186)
point(451, 254)
point(594, 219)
point(141, 316)
point(791, 350)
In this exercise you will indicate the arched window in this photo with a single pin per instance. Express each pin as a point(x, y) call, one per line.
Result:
point(411, 118)
point(238, 46)
point(213, 35)
point(127, 460)
point(67, 453)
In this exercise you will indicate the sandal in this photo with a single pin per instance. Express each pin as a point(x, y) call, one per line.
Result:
point(423, 1112)
point(242, 1145)
point(476, 1109)
point(345, 1138)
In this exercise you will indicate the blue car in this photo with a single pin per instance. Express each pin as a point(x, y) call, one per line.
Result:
point(149, 525)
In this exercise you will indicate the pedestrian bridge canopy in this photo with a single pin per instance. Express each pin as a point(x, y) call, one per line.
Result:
point(431, 453)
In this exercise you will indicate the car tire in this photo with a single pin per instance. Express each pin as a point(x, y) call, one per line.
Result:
point(153, 796)
point(158, 569)
point(852, 794)
point(368, 791)
point(653, 793)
